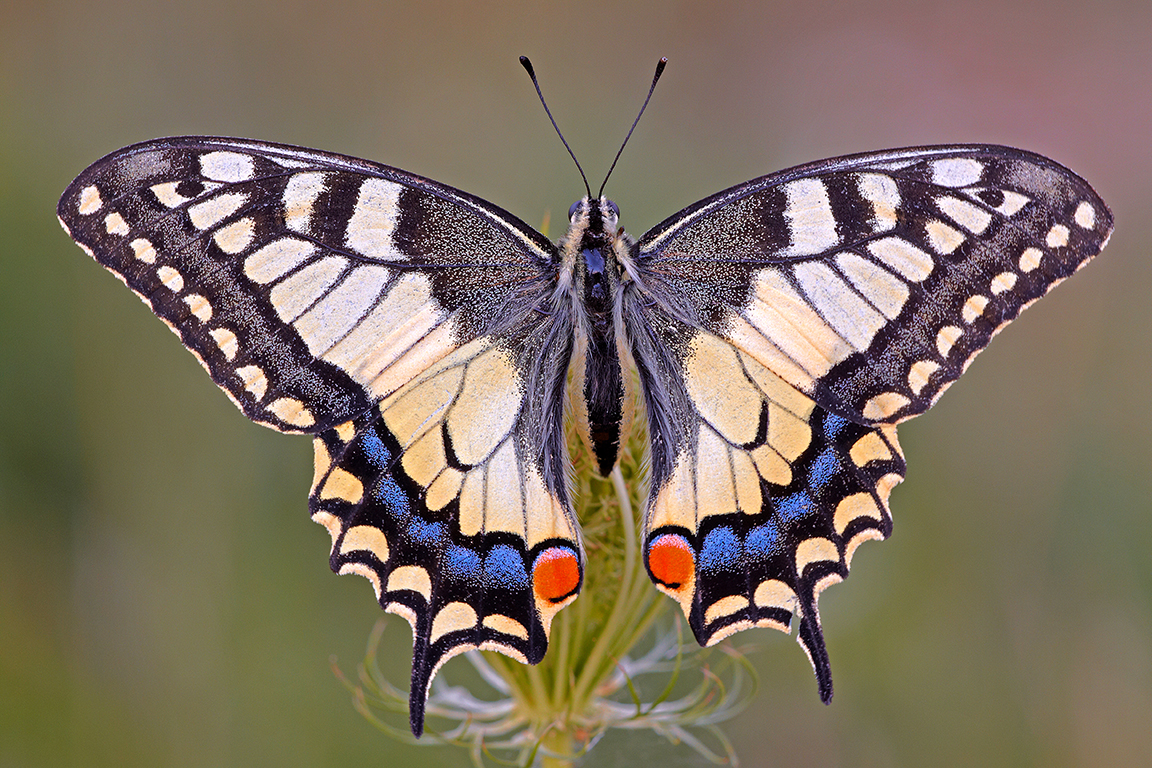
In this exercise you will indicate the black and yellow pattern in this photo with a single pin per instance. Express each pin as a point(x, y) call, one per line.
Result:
point(780, 330)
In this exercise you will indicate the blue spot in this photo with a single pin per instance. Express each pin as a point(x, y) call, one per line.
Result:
point(461, 563)
point(762, 542)
point(375, 450)
point(392, 497)
point(721, 550)
point(834, 426)
point(504, 569)
point(423, 533)
point(796, 506)
point(824, 469)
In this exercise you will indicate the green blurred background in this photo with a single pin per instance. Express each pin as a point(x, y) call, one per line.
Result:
point(164, 599)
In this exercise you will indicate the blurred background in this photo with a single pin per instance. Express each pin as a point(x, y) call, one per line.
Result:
point(164, 599)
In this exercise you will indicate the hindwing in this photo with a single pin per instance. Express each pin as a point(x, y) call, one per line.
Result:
point(782, 328)
point(759, 496)
point(449, 497)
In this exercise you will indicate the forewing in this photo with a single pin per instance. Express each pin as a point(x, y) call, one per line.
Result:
point(870, 282)
point(310, 285)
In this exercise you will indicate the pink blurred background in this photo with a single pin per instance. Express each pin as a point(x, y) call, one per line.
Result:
point(164, 599)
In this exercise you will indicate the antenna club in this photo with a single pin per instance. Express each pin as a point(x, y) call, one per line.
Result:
point(524, 62)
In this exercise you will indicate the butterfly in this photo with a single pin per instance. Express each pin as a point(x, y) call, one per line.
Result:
point(775, 333)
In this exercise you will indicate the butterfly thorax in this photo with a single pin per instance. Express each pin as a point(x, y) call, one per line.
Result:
point(592, 252)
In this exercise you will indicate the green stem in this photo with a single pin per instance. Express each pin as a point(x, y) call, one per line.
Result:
point(558, 749)
point(593, 671)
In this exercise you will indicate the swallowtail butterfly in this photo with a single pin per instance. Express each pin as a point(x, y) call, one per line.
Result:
point(778, 331)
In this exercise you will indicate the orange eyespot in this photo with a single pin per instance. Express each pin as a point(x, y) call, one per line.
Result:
point(671, 560)
point(556, 574)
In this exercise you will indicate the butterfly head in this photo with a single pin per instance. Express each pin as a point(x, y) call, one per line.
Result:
point(598, 215)
point(593, 231)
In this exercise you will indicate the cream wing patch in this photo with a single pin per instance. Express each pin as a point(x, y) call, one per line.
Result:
point(456, 428)
point(752, 425)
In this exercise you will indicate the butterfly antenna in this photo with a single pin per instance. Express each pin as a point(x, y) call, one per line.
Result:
point(532, 74)
point(655, 79)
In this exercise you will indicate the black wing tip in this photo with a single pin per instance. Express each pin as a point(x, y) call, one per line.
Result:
point(811, 637)
point(418, 691)
point(824, 685)
point(416, 715)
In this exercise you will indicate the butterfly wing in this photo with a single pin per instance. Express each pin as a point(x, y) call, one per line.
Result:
point(399, 321)
point(783, 327)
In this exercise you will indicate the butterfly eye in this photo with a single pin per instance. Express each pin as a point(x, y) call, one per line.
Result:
point(572, 211)
point(613, 210)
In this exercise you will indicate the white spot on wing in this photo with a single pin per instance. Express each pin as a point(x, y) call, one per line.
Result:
point(1030, 259)
point(881, 191)
point(90, 201)
point(115, 224)
point(292, 411)
point(1057, 236)
point(956, 171)
point(226, 341)
point(226, 166)
point(277, 259)
point(199, 307)
point(947, 337)
point(884, 405)
point(373, 219)
point(144, 250)
point(902, 256)
point(844, 310)
point(1002, 282)
point(236, 236)
point(254, 380)
point(811, 223)
point(973, 308)
point(919, 374)
point(172, 279)
point(1085, 216)
point(943, 238)
point(1013, 202)
point(299, 196)
point(965, 214)
point(168, 196)
point(212, 211)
